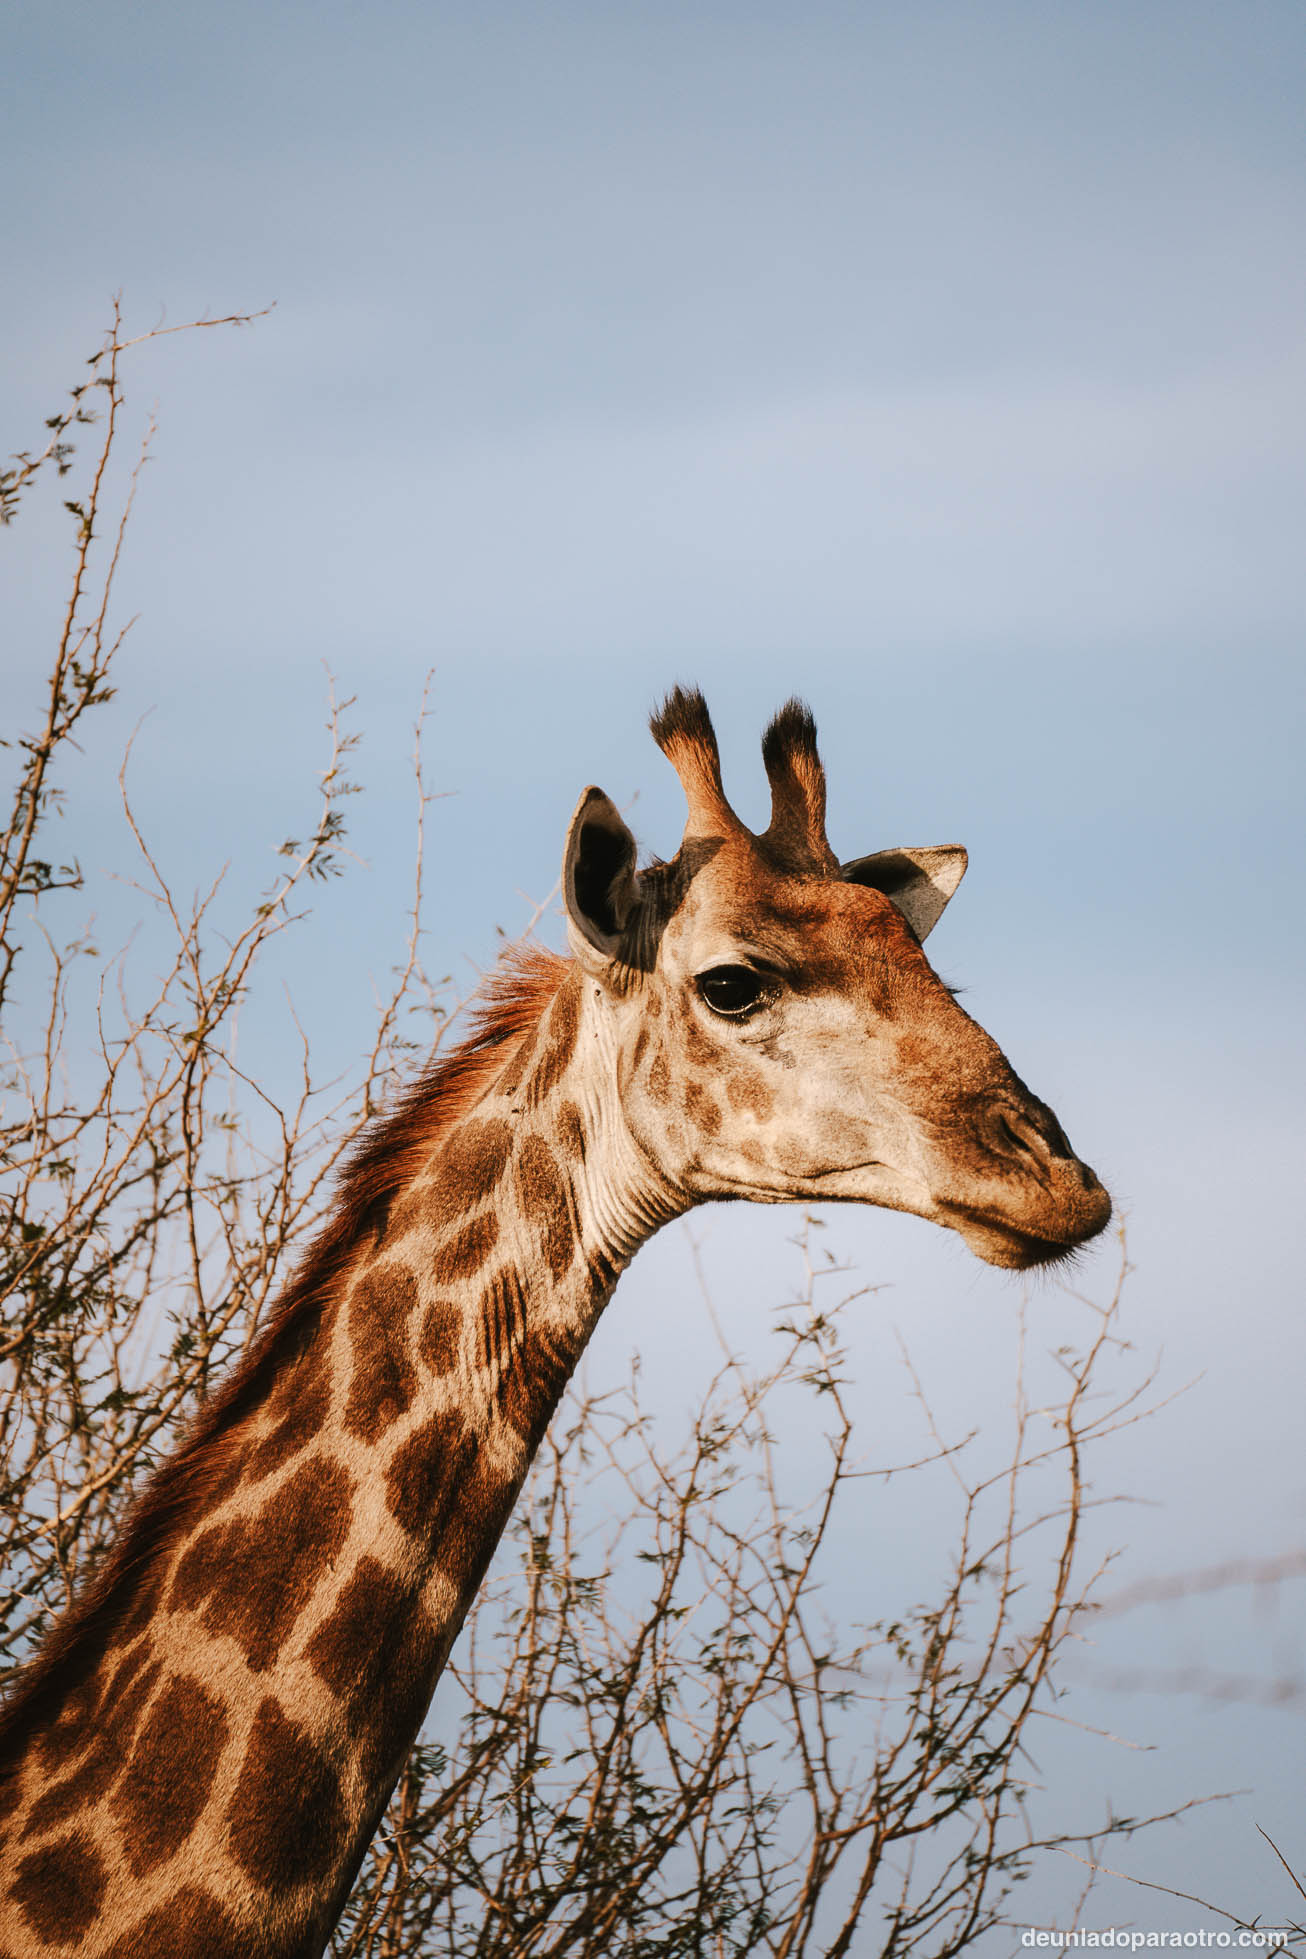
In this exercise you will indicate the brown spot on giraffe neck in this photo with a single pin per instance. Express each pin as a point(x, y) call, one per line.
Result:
point(570, 1132)
point(201, 1567)
point(427, 1472)
point(441, 1339)
point(472, 1163)
point(446, 1493)
point(382, 1378)
point(254, 1578)
point(462, 1177)
point(465, 1251)
point(136, 1656)
point(67, 1732)
point(105, 1757)
point(192, 1921)
point(513, 1074)
point(58, 1889)
point(501, 1318)
point(378, 1653)
point(466, 1549)
point(142, 1606)
point(545, 1199)
point(286, 1822)
point(532, 1382)
point(603, 1269)
point(297, 1407)
point(162, 1796)
point(556, 1045)
point(510, 1079)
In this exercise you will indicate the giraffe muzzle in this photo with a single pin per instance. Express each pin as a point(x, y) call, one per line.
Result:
point(1037, 1215)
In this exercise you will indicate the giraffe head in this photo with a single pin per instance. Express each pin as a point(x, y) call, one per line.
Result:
point(776, 1028)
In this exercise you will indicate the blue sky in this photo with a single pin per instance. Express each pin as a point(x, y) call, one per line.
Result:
point(944, 364)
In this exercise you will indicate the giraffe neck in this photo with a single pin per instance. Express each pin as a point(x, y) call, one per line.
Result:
point(222, 1755)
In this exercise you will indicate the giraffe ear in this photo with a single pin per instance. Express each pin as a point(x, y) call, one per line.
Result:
point(920, 882)
point(598, 880)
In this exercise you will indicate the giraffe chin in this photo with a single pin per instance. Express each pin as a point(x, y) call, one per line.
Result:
point(1014, 1251)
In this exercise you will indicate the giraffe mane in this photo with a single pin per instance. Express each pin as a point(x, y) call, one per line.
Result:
point(509, 1006)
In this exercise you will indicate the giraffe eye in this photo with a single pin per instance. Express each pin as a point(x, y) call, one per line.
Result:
point(734, 991)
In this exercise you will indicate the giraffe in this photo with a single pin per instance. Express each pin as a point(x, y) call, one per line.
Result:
point(193, 1766)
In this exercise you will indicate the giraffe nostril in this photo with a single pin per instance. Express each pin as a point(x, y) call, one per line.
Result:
point(1032, 1135)
point(1009, 1137)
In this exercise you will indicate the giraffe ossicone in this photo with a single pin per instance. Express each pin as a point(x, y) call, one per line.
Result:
point(196, 1761)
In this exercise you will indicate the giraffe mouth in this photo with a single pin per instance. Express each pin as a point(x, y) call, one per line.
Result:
point(831, 1180)
point(830, 1184)
point(1007, 1245)
point(843, 1169)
